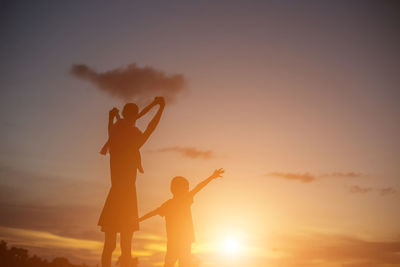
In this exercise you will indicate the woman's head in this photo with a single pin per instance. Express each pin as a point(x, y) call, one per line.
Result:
point(130, 112)
point(179, 186)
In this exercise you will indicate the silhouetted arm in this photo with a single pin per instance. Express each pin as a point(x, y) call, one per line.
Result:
point(149, 215)
point(217, 173)
point(147, 109)
point(154, 122)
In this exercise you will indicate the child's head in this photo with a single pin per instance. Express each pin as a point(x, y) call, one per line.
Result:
point(130, 112)
point(179, 186)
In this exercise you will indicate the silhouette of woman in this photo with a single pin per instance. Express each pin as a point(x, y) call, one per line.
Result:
point(120, 212)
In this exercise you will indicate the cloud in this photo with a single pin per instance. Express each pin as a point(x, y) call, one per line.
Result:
point(189, 152)
point(21, 186)
point(344, 174)
point(305, 178)
point(308, 177)
point(387, 191)
point(355, 189)
point(133, 82)
point(56, 204)
point(69, 220)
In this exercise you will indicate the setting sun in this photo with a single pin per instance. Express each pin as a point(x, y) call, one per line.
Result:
point(231, 246)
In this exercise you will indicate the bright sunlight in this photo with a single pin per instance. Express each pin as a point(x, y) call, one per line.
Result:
point(231, 246)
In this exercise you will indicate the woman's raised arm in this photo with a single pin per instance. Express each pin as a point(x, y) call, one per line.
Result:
point(156, 119)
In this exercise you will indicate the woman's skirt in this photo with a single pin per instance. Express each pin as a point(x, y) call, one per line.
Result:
point(120, 212)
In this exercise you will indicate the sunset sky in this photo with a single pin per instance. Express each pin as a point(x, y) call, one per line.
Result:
point(297, 100)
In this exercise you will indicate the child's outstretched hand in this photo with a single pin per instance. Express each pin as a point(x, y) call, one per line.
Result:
point(218, 173)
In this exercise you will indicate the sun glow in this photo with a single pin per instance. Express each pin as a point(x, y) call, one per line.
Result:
point(231, 246)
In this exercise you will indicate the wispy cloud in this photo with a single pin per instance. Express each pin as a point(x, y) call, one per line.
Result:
point(133, 82)
point(189, 152)
point(20, 185)
point(343, 174)
point(303, 177)
point(387, 191)
point(355, 189)
point(308, 177)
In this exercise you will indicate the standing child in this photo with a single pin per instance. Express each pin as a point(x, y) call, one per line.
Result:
point(178, 218)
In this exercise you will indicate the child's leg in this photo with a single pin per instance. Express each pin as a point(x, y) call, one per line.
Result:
point(126, 247)
point(171, 256)
point(185, 255)
point(109, 246)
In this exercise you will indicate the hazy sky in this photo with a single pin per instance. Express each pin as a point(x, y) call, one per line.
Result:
point(297, 100)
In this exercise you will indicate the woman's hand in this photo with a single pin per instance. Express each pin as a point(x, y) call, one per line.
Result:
point(159, 100)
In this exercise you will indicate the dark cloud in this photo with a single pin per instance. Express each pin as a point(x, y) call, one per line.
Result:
point(48, 203)
point(67, 220)
point(355, 189)
point(23, 186)
point(189, 152)
point(10, 124)
point(133, 82)
point(10, 193)
point(387, 191)
point(305, 178)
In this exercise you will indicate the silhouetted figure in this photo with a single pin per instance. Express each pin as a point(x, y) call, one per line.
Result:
point(114, 114)
point(178, 218)
point(120, 212)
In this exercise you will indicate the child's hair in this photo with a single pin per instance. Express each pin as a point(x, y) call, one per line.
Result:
point(179, 185)
point(130, 110)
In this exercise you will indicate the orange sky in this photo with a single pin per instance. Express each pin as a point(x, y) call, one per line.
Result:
point(297, 102)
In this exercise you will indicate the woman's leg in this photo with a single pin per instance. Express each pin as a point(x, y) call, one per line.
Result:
point(109, 246)
point(126, 247)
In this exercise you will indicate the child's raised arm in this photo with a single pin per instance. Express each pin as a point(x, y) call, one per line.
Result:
point(217, 174)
